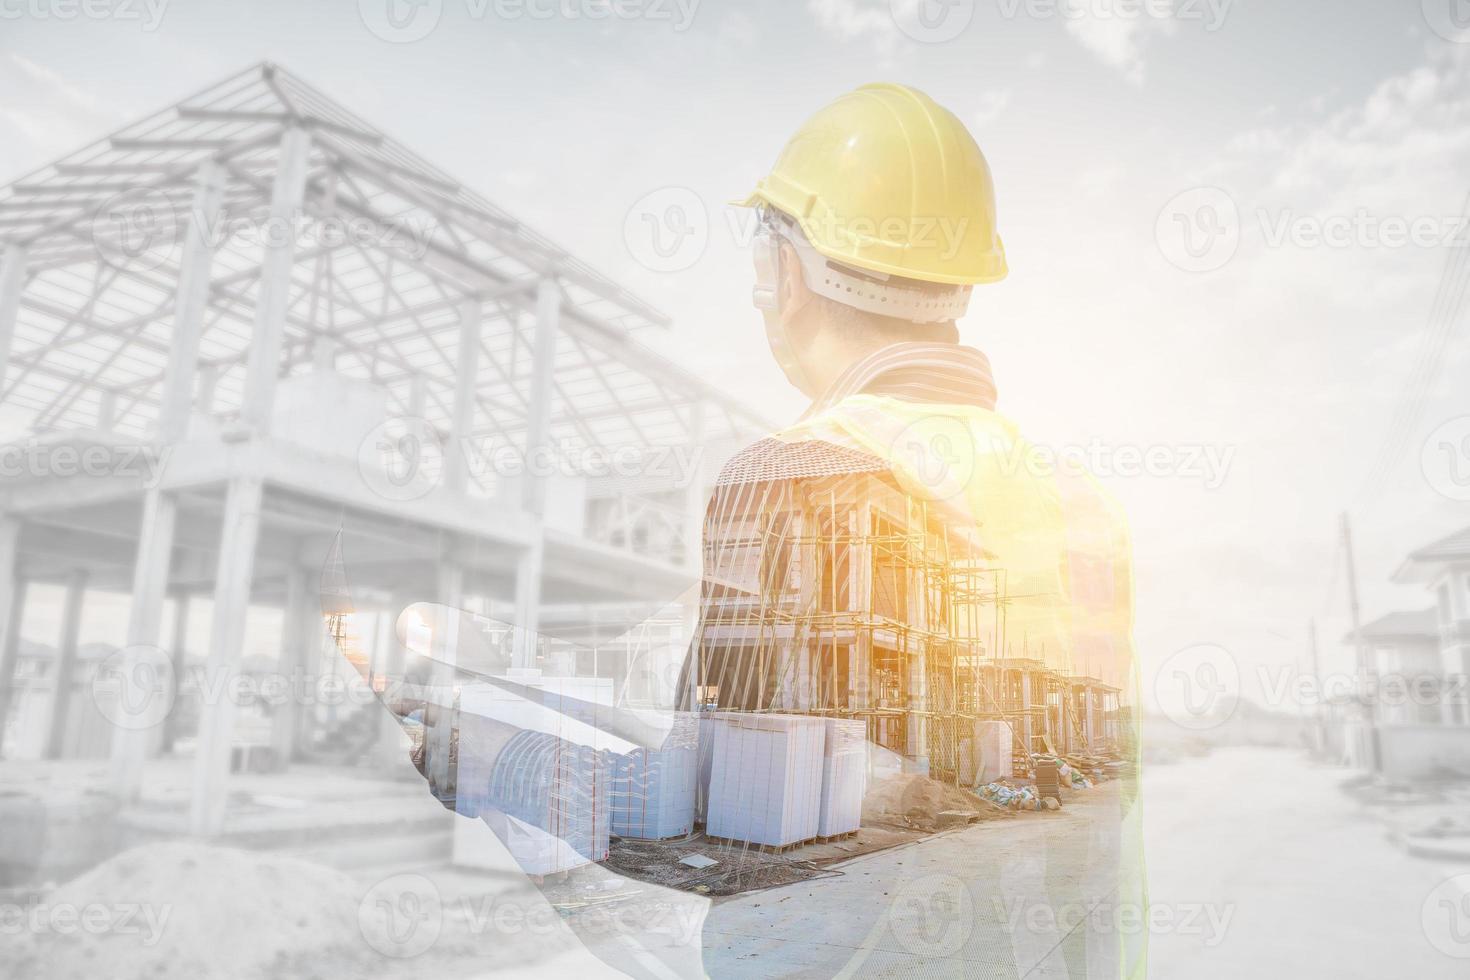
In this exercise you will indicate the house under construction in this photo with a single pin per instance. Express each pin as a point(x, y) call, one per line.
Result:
point(831, 591)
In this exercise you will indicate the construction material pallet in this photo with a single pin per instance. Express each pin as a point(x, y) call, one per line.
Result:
point(837, 837)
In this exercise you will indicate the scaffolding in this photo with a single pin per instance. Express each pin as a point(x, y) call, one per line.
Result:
point(838, 594)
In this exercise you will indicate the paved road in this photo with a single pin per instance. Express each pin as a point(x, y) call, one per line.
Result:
point(934, 908)
point(1258, 866)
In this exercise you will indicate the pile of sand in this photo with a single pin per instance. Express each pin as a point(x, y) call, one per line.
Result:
point(916, 801)
point(192, 912)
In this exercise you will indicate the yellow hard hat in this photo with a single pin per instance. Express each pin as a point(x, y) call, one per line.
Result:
point(887, 180)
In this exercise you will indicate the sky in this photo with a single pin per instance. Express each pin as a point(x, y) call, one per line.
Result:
point(1268, 369)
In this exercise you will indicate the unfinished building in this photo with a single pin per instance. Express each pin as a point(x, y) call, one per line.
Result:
point(269, 324)
point(831, 591)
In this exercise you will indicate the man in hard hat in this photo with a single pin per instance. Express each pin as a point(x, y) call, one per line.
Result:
point(874, 225)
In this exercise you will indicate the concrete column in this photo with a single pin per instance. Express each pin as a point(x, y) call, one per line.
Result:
point(273, 294)
point(11, 614)
point(527, 606)
point(445, 650)
point(1027, 723)
point(190, 302)
point(418, 396)
point(694, 495)
point(130, 747)
point(456, 464)
point(179, 657)
point(106, 410)
point(12, 283)
point(543, 364)
point(208, 382)
point(1090, 721)
point(66, 662)
point(324, 354)
point(285, 723)
point(240, 531)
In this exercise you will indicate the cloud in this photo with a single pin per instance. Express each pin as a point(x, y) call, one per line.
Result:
point(44, 115)
point(992, 105)
point(853, 20)
point(1114, 37)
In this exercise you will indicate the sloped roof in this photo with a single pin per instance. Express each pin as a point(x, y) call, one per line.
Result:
point(1417, 624)
point(1426, 561)
point(101, 231)
point(777, 459)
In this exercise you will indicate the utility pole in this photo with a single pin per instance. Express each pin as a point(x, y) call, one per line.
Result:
point(1319, 726)
point(1371, 709)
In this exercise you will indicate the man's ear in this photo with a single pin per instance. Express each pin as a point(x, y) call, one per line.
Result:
point(792, 287)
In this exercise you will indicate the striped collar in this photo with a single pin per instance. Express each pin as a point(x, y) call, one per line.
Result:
point(946, 374)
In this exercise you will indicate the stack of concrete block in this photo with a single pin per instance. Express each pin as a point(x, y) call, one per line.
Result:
point(766, 778)
point(653, 792)
point(844, 776)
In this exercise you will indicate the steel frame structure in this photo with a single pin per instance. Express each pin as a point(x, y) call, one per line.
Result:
point(160, 285)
